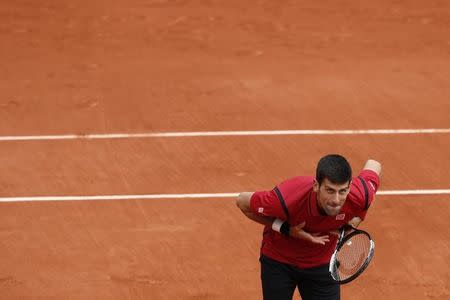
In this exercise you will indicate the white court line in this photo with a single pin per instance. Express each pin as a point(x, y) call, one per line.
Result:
point(190, 196)
point(219, 133)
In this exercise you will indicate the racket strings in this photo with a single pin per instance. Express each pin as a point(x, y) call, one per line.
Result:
point(353, 255)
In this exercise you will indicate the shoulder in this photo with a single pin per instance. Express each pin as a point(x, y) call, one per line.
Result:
point(296, 189)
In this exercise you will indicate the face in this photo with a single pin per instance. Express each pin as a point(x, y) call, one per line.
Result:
point(330, 196)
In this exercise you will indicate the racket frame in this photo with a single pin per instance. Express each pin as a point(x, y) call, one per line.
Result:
point(343, 238)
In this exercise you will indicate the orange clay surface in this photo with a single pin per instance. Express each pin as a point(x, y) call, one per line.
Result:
point(81, 67)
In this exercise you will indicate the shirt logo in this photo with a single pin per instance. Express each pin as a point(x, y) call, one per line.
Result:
point(340, 217)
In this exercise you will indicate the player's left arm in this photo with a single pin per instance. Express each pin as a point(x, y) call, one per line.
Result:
point(374, 166)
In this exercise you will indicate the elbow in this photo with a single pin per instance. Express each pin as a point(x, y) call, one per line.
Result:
point(373, 165)
point(243, 201)
point(377, 167)
point(239, 201)
point(375, 162)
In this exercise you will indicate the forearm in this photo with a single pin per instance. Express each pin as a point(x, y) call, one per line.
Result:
point(259, 219)
point(243, 202)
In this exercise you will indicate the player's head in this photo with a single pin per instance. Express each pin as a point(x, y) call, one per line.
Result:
point(332, 183)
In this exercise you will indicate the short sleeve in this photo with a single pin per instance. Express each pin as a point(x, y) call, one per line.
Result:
point(372, 180)
point(368, 186)
point(266, 203)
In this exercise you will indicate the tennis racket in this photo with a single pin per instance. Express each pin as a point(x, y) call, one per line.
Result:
point(353, 253)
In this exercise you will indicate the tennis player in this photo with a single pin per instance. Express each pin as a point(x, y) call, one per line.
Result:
point(301, 217)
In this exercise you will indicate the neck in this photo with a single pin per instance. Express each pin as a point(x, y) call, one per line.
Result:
point(319, 207)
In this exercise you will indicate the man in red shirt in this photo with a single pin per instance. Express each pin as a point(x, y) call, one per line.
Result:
point(301, 217)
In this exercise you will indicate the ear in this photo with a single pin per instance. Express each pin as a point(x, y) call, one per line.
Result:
point(315, 185)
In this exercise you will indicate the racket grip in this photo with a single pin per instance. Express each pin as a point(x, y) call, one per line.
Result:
point(347, 227)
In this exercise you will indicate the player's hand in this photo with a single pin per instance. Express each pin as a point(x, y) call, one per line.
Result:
point(316, 238)
point(355, 222)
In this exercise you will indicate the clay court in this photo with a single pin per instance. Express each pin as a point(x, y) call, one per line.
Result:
point(156, 216)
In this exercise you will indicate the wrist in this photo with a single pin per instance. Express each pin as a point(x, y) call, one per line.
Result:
point(281, 226)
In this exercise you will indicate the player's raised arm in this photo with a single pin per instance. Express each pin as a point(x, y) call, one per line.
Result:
point(374, 166)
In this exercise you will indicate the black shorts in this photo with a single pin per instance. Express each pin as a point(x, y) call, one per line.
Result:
point(279, 281)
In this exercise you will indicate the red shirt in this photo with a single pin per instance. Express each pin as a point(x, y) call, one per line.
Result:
point(301, 204)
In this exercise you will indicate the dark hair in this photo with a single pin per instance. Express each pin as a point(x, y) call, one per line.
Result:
point(335, 168)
